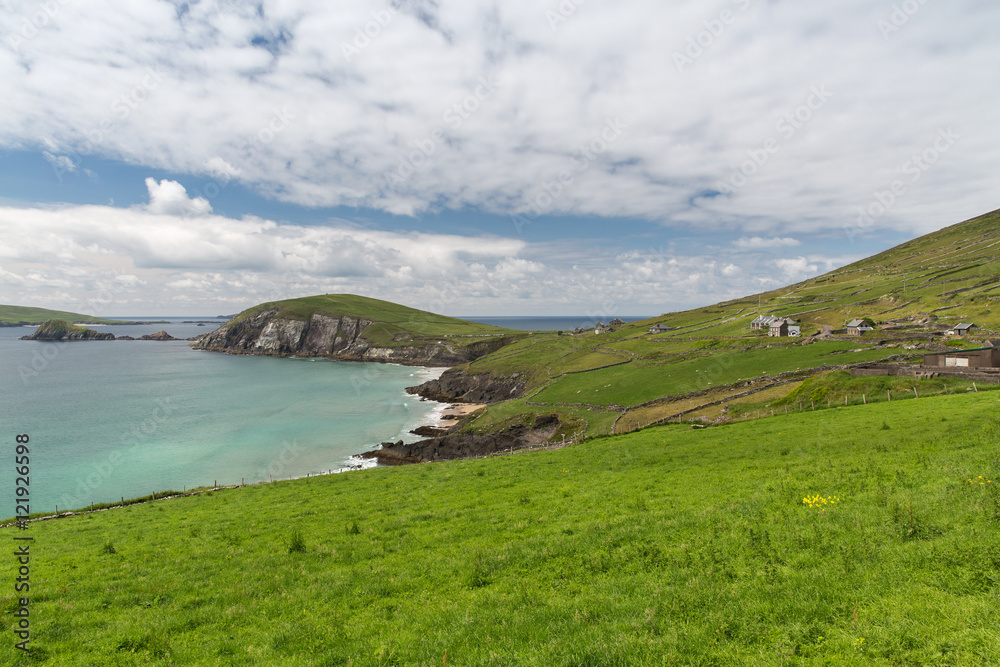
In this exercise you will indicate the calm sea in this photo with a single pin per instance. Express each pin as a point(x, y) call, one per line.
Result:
point(109, 419)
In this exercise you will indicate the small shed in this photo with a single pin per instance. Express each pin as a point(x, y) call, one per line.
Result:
point(778, 328)
point(963, 328)
point(858, 327)
point(794, 330)
point(982, 357)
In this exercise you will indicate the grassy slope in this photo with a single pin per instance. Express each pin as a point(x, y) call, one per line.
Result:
point(665, 546)
point(955, 269)
point(25, 315)
point(394, 324)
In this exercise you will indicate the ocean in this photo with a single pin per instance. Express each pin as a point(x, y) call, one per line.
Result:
point(112, 419)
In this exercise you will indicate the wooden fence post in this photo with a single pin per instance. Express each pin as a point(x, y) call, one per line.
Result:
point(864, 399)
point(890, 395)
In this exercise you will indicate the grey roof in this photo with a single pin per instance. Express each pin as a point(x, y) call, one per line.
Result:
point(856, 323)
point(964, 325)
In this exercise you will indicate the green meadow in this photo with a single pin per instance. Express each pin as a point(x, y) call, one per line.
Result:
point(866, 535)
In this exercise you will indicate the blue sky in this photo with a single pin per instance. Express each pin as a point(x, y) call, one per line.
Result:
point(516, 158)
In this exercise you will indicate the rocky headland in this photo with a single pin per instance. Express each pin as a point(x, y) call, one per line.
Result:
point(268, 332)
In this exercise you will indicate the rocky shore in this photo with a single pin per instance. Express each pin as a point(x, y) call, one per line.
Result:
point(462, 445)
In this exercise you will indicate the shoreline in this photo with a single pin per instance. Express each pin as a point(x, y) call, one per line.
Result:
point(452, 413)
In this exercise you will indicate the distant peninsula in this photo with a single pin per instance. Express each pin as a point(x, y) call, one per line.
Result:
point(26, 316)
point(61, 330)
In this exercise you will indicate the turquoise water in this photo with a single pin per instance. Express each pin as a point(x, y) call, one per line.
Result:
point(125, 418)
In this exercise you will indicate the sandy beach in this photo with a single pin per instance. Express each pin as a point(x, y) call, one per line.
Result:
point(455, 411)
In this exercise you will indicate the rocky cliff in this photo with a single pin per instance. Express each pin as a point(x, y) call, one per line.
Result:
point(458, 386)
point(463, 445)
point(53, 330)
point(267, 333)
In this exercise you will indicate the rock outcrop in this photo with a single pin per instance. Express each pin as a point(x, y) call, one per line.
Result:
point(265, 333)
point(464, 445)
point(59, 330)
point(159, 335)
point(458, 386)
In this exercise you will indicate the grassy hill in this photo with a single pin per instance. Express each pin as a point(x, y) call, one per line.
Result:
point(394, 324)
point(867, 535)
point(18, 315)
point(616, 381)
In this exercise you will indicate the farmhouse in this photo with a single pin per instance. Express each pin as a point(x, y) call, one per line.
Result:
point(617, 322)
point(858, 327)
point(778, 328)
point(983, 357)
point(659, 328)
point(762, 322)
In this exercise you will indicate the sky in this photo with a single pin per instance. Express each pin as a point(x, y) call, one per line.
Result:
point(529, 157)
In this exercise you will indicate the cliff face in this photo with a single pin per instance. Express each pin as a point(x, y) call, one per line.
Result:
point(323, 336)
point(457, 386)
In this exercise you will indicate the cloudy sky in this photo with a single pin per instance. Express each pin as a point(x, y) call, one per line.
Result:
point(480, 158)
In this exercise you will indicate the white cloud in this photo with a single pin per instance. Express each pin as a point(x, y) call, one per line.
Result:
point(759, 243)
point(60, 163)
point(170, 198)
point(268, 97)
point(112, 261)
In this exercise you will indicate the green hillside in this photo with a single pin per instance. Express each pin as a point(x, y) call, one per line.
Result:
point(394, 324)
point(868, 535)
point(19, 315)
point(626, 378)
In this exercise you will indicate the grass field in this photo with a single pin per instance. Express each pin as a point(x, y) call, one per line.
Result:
point(633, 384)
point(868, 535)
